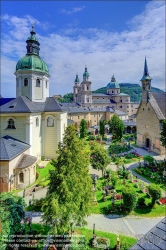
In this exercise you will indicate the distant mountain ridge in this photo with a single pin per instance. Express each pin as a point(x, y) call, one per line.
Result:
point(132, 89)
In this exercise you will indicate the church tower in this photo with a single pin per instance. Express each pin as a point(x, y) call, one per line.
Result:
point(146, 83)
point(86, 92)
point(32, 74)
point(76, 89)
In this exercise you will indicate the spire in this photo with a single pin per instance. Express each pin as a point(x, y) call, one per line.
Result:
point(113, 79)
point(32, 43)
point(146, 72)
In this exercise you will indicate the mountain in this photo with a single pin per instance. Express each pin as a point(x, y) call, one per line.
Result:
point(132, 89)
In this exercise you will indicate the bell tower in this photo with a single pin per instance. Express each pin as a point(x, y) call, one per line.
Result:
point(86, 92)
point(146, 84)
point(32, 73)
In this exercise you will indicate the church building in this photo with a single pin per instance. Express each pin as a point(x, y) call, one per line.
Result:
point(113, 98)
point(151, 113)
point(32, 124)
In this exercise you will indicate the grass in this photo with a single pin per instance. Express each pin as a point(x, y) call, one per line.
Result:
point(88, 233)
point(105, 207)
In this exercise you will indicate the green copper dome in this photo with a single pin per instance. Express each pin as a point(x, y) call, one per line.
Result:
point(32, 62)
point(86, 74)
point(77, 79)
point(113, 84)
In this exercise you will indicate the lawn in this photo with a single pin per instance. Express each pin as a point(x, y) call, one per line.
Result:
point(43, 174)
point(105, 207)
point(124, 240)
point(161, 185)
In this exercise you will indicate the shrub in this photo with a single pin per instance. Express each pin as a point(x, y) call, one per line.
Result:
point(148, 158)
point(129, 197)
point(155, 192)
point(141, 201)
point(43, 158)
point(91, 137)
point(114, 179)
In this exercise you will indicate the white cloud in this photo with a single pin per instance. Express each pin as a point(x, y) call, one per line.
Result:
point(102, 51)
point(73, 10)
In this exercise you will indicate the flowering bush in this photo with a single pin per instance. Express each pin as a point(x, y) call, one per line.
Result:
point(40, 166)
point(118, 197)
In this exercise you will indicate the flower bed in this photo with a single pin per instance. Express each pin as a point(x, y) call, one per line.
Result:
point(103, 243)
point(40, 166)
point(162, 201)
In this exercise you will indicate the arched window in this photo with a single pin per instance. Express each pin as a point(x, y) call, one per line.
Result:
point(50, 121)
point(87, 88)
point(11, 124)
point(37, 122)
point(37, 82)
point(25, 82)
point(112, 91)
point(21, 177)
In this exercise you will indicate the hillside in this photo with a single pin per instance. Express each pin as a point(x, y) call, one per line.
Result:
point(134, 90)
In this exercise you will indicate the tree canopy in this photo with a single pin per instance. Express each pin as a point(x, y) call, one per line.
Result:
point(12, 212)
point(70, 190)
point(163, 134)
point(116, 126)
point(99, 158)
point(83, 129)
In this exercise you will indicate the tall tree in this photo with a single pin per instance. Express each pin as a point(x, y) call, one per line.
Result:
point(163, 134)
point(116, 126)
point(70, 190)
point(102, 128)
point(99, 158)
point(83, 129)
point(12, 212)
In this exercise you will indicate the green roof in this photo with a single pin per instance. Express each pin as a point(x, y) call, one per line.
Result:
point(122, 94)
point(32, 62)
point(113, 85)
point(146, 78)
point(86, 74)
point(32, 38)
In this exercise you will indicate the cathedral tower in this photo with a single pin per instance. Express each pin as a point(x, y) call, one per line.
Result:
point(86, 92)
point(146, 83)
point(32, 74)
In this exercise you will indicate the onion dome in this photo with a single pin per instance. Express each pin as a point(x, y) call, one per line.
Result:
point(86, 74)
point(32, 60)
point(113, 84)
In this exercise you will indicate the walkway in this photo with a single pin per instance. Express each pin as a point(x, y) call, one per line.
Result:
point(128, 225)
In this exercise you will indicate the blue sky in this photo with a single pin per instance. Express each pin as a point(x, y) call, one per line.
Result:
point(110, 37)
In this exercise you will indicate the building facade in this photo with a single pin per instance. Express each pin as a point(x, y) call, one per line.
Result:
point(33, 118)
point(113, 98)
point(151, 113)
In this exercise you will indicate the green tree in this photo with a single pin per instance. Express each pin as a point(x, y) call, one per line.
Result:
point(83, 129)
point(163, 134)
point(155, 192)
point(148, 158)
point(99, 158)
point(102, 128)
point(114, 179)
point(129, 197)
point(12, 212)
point(116, 126)
point(70, 190)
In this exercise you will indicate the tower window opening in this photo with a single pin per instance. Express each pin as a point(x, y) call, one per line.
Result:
point(21, 177)
point(46, 84)
point(112, 91)
point(37, 82)
point(37, 122)
point(25, 82)
point(11, 124)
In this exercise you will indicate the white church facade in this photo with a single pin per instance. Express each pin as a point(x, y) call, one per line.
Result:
point(32, 124)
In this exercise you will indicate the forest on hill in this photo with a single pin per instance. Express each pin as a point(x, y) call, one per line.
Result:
point(134, 90)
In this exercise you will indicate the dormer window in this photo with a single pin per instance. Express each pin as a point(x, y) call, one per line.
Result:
point(25, 82)
point(37, 82)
